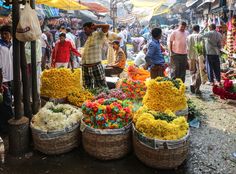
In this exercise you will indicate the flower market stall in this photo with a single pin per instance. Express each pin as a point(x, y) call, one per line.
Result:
point(104, 118)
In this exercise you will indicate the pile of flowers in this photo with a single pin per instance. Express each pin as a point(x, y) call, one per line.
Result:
point(164, 93)
point(130, 62)
point(58, 82)
point(78, 96)
point(160, 125)
point(53, 117)
point(227, 91)
point(113, 93)
point(107, 113)
point(134, 89)
point(136, 73)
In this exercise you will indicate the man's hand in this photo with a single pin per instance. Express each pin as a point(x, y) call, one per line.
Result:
point(145, 66)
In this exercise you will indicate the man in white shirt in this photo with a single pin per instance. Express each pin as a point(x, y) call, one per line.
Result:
point(140, 58)
point(6, 76)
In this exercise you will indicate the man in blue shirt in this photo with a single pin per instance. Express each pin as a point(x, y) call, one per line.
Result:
point(154, 58)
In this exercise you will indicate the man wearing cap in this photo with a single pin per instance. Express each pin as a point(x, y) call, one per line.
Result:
point(92, 69)
point(118, 66)
point(61, 52)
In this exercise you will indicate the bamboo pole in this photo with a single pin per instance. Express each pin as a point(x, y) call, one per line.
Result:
point(25, 80)
point(35, 94)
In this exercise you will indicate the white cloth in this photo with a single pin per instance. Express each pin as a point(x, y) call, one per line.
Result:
point(43, 40)
point(38, 51)
point(122, 41)
point(71, 37)
point(140, 58)
point(60, 65)
point(110, 52)
point(6, 63)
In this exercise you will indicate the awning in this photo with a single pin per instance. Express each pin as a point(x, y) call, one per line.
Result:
point(95, 7)
point(206, 1)
point(147, 3)
point(191, 2)
point(63, 4)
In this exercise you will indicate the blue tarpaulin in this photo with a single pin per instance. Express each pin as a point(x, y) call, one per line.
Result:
point(4, 6)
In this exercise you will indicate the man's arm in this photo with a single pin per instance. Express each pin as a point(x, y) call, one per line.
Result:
point(104, 27)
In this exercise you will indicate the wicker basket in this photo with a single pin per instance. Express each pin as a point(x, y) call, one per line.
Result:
point(159, 153)
point(54, 143)
point(106, 144)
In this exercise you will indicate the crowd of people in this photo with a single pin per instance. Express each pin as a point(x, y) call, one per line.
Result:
point(62, 48)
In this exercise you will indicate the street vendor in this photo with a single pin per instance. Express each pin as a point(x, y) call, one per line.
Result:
point(92, 69)
point(119, 65)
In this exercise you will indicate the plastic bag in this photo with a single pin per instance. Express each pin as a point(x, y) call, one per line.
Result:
point(28, 28)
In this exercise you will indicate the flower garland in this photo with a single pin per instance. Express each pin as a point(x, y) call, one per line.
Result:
point(136, 73)
point(134, 89)
point(78, 96)
point(56, 117)
point(227, 91)
point(160, 125)
point(164, 93)
point(57, 83)
point(107, 113)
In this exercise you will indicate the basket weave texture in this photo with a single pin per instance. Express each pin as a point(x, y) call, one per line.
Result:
point(166, 155)
point(107, 144)
point(54, 143)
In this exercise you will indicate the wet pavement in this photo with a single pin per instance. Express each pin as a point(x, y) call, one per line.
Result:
point(77, 162)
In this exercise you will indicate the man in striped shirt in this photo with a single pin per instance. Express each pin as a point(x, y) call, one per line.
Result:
point(92, 69)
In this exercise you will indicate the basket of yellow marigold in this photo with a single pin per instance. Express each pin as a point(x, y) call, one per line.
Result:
point(56, 83)
point(160, 139)
point(165, 93)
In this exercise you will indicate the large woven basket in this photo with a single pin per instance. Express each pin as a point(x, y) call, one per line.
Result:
point(54, 143)
point(159, 153)
point(106, 144)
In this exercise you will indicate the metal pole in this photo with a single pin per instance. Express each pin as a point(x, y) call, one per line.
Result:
point(35, 95)
point(25, 80)
point(16, 61)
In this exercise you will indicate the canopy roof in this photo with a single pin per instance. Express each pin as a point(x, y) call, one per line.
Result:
point(95, 7)
point(63, 4)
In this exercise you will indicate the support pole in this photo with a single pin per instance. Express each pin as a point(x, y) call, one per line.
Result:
point(25, 80)
point(35, 95)
point(19, 125)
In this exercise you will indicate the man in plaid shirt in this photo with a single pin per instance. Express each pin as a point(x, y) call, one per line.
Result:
point(92, 69)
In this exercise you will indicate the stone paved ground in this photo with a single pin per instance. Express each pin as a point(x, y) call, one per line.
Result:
point(211, 149)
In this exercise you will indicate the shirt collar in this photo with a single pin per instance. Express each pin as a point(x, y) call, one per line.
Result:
point(156, 41)
point(3, 43)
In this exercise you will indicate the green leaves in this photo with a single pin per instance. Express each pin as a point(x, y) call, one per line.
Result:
point(198, 47)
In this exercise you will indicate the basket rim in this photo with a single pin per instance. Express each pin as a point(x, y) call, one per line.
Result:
point(105, 131)
point(170, 141)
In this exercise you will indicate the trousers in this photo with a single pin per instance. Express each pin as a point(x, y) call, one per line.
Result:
point(213, 67)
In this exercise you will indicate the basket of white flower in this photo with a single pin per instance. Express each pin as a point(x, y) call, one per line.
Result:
point(55, 128)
